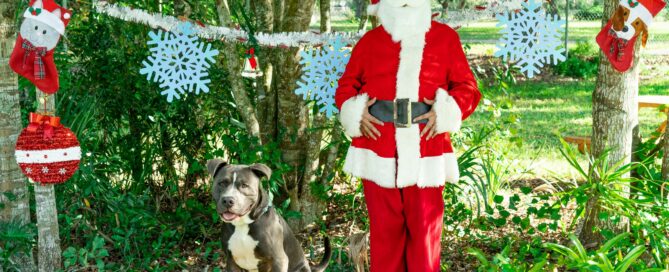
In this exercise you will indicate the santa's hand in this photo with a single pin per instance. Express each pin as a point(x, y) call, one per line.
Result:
point(367, 123)
point(431, 117)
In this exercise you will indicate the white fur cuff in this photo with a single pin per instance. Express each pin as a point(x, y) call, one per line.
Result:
point(372, 9)
point(449, 115)
point(351, 114)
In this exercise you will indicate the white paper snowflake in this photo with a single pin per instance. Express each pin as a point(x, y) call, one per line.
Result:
point(178, 61)
point(321, 70)
point(531, 38)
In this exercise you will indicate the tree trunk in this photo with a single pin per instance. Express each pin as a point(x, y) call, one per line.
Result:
point(12, 181)
point(47, 215)
point(234, 68)
point(364, 16)
point(281, 111)
point(462, 5)
point(326, 25)
point(296, 141)
point(615, 116)
point(223, 10)
point(267, 97)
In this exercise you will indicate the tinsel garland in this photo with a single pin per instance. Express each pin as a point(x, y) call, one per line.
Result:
point(287, 39)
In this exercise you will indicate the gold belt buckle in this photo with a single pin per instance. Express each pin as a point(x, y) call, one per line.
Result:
point(408, 120)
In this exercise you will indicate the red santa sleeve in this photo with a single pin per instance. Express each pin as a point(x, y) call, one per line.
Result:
point(350, 102)
point(458, 99)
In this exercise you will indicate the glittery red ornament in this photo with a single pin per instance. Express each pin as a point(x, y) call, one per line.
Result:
point(47, 152)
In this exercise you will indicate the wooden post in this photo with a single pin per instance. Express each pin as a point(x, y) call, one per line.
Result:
point(48, 241)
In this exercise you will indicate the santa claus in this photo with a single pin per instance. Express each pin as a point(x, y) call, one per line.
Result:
point(407, 86)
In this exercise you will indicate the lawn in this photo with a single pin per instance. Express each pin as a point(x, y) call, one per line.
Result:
point(549, 109)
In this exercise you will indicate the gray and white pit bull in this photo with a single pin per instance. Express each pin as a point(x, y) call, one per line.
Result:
point(255, 237)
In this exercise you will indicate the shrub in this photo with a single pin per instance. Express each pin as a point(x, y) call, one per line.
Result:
point(583, 62)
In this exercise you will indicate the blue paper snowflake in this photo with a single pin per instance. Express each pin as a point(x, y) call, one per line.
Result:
point(531, 38)
point(321, 70)
point(178, 61)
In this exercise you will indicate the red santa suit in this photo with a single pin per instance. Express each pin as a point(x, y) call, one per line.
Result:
point(403, 173)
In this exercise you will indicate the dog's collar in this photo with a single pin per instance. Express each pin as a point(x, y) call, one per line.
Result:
point(265, 210)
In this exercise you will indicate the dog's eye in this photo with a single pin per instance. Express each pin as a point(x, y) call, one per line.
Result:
point(243, 186)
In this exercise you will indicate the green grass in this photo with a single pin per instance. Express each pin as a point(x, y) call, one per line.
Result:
point(548, 109)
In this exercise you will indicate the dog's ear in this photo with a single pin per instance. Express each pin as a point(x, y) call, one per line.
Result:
point(262, 204)
point(214, 165)
point(618, 18)
point(261, 170)
point(644, 37)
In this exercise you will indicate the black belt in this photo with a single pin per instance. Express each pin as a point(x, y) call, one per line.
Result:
point(399, 111)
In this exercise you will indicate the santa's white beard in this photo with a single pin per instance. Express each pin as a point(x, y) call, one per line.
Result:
point(405, 22)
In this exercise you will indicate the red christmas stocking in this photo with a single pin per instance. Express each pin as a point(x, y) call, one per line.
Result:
point(35, 64)
point(631, 19)
point(43, 24)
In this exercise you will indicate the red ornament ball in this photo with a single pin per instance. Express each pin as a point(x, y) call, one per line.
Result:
point(50, 157)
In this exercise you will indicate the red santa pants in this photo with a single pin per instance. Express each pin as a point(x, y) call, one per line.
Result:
point(405, 227)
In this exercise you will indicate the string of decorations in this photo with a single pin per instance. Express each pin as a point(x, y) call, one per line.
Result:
point(288, 39)
point(285, 39)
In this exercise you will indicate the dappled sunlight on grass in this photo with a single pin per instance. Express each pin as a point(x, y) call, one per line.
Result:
point(547, 109)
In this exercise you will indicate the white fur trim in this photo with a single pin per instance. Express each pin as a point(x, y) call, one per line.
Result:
point(372, 9)
point(408, 139)
point(434, 171)
point(428, 171)
point(351, 114)
point(366, 164)
point(449, 115)
point(48, 156)
point(451, 167)
point(48, 18)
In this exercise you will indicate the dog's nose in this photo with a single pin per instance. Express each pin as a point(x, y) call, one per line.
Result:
point(228, 201)
point(625, 28)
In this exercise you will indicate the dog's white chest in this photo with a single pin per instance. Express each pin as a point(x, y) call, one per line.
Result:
point(242, 246)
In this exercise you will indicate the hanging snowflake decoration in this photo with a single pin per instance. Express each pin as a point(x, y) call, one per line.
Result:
point(178, 61)
point(531, 38)
point(321, 70)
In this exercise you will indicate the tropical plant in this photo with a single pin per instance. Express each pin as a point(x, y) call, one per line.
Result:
point(604, 259)
point(504, 262)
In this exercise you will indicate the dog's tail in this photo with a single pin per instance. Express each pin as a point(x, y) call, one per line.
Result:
point(327, 254)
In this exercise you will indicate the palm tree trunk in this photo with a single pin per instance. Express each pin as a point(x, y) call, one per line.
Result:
point(48, 241)
point(615, 116)
point(12, 181)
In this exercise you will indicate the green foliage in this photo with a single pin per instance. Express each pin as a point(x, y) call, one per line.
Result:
point(504, 262)
point(15, 238)
point(583, 62)
point(604, 259)
point(85, 257)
